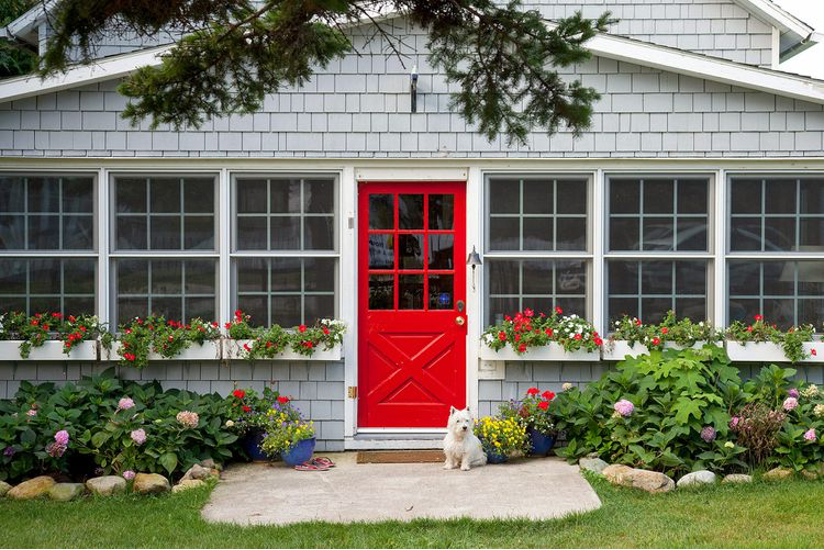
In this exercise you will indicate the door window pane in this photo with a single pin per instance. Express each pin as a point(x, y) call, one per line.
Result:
point(410, 292)
point(441, 211)
point(381, 292)
point(410, 211)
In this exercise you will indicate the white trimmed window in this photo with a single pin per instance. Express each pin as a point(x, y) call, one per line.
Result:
point(776, 237)
point(48, 258)
point(164, 248)
point(537, 244)
point(284, 248)
point(658, 246)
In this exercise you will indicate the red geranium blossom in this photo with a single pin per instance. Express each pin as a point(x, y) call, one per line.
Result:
point(533, 391)
point(502, 336)
point(548, 395)
point(283, 399)
point(543, 405)
point(246, 408)
point(548, 332)
point(758, 317)
point(528, 312)
point(302, 328)
point(522, 348)
point(558, 310)
point(664, 330)
point(240, 394)
point(656, 341)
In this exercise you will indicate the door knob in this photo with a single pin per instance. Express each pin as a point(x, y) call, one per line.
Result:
point(460, 321)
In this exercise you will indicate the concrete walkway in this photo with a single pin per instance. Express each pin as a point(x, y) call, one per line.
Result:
point(277, 495)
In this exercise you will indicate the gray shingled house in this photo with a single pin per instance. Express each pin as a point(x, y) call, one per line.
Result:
point(700, 187)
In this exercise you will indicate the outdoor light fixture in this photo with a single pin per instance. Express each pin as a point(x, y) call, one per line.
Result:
point(413, 88)
point(473, 261)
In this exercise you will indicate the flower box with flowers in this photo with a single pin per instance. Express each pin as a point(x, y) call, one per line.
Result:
point(761, 341)
point(49, 337)
point(210, 350)
point(633, 338)
point(321, 342)
point(528, 336)
point(156, 339)
point(50, 350)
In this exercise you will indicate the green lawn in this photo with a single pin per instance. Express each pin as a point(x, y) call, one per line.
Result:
point(787, 514)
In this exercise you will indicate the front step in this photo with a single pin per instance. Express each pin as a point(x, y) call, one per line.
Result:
point(394, 440)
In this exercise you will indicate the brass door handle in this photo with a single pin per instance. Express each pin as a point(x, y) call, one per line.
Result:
point(460, 321)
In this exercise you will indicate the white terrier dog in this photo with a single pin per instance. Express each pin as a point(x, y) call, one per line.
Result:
point(460, 445)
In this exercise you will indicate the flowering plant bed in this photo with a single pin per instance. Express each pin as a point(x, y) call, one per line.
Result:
point(49, 336)
point(759, 341)
point(540, 337)
point(320, 342)
point(155, 338)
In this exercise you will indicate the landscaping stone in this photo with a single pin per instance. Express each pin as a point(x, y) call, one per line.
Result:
point(64, 492)
point(697, 478)
point(188, 484)
point(150, 484)
point(813, 472)
point(595, 465)
point(646, 480)
point(778, 474)
point(199, 472)
point(105, 486)
point(809, 475)
point(737, 478)
point(32, 488)
point(4, 488)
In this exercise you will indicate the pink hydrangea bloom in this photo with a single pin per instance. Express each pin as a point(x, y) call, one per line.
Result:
point(31, 412)
point(188, 419)
point(624, 407)
point(139, 436)
point(734, 421)
point(794, 393)
point(125, 404)
point(809, 435)
point(708, 433)
point(128, 475)
point(790, 403)
point(62, 438)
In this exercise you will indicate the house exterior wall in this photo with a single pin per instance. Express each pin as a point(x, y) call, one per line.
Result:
point(719, 28)
point(316, 387)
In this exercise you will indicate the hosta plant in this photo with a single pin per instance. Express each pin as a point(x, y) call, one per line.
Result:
point(682, 332)
point(791, 341)
point(527, 329)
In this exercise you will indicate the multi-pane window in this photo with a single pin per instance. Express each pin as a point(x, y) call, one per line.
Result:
point(164, 257)
point(47, 244)
point(666, 220)
point(284, 248)
point(773, 221)
point(537, 246)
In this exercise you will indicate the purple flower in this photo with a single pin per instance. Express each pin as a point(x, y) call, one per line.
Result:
point(790, 403)
point(809, 435)
point(139, 436)
point(9, 452)
point(794, 393)
point(734, 421)
point(708, 433)
point(55, 450)
point(125, 404)
point(128, 475)
point(624, 407)
point(62, 438)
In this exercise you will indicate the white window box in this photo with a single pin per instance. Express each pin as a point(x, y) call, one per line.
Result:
point(768, 352)
point(51, 350)
point(550, 352)
point(209, 351)
point(621, 348)
point(233, 349)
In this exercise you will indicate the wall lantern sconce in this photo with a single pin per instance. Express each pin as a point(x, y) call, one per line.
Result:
point(413, 88)
point(474, 261)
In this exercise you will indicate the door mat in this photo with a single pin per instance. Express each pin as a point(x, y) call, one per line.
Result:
point(400, 457)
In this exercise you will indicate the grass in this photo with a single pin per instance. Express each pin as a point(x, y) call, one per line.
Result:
point(787, 514)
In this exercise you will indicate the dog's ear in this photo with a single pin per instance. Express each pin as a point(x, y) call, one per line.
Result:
point(452, 410)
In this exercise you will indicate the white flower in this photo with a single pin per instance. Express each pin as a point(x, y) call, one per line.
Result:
point(229, 423)
point(567, 386)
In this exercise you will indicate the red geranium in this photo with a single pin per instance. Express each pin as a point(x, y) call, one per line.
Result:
point(543, 405)
point(656, 341)
point(283, 399)
point(548, 395)
point(758, 317)
point(246, 408)
point(533, 391)
point(502, 336)
point(558, 310)
point(240, 394)
point(522, 348)
point(302, 328)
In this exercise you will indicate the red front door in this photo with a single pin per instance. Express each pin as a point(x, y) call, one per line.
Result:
point(412, 303)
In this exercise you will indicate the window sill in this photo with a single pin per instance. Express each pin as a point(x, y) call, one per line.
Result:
point(551, 352)
point(233, 349)
point(51, 350)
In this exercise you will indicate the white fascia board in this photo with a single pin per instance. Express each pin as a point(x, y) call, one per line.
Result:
point(771, 13)
point(604, 45)
point(103, 69)
point(707, 68)
point(25, 26)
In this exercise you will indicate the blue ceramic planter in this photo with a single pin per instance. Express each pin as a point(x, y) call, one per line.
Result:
point(251, 444)
point(495, 458)
point(299, 453)
point(541, 444)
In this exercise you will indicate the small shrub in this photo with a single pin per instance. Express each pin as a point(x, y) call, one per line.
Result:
point(756, 427)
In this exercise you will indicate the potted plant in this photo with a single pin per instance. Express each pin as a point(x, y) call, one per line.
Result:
point(534, 413)
point(633, 338)
point(501, 438)
point(288, 435)
point(248, 418)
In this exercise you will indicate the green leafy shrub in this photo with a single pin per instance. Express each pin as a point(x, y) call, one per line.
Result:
point(666, 411)
point(112, 426)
